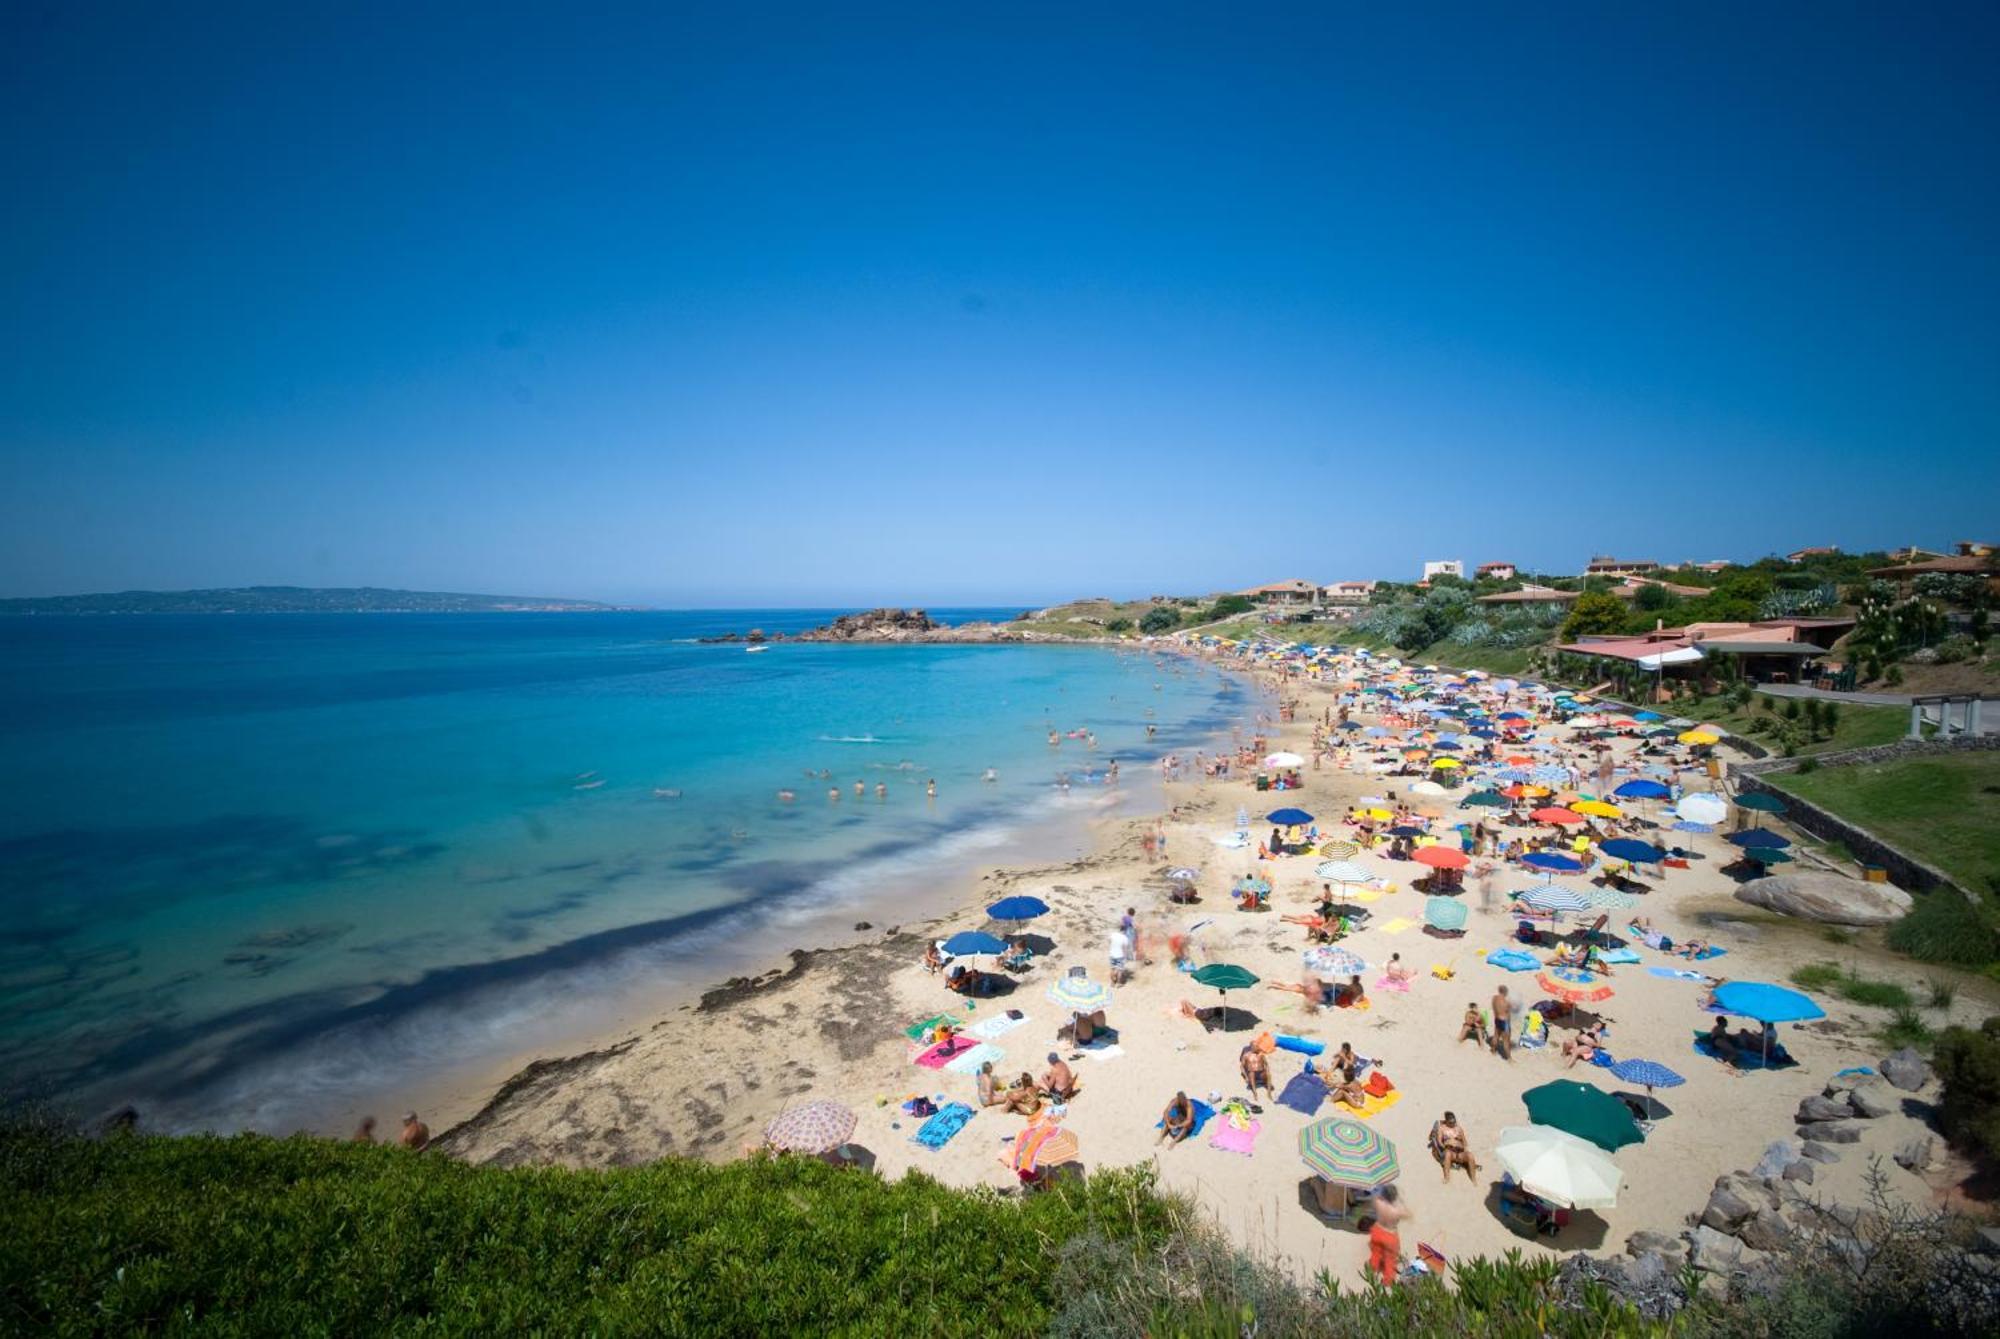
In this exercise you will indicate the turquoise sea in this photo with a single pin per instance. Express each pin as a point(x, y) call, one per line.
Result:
point(253, 865)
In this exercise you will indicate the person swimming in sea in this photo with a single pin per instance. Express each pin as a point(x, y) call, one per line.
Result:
point(787, 796)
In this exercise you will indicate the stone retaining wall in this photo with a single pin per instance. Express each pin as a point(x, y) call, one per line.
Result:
point(1905, 870)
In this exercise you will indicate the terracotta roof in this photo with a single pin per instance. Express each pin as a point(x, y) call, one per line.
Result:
point(1964, 565)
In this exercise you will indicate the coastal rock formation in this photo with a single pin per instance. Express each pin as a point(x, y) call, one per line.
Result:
point(1906, 1069)
point(874, 625)
point(1827, 898)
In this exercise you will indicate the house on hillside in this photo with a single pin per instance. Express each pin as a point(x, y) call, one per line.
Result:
point(1603, 566)
point(1964, 564)
point(1820, 551)
point(1496, 571)
point(1775, 650)
point(1445, 567)
point(1910, 553)
point(1974, 548)
point(1347, 594)
point(1529, 595)
point(1293, 594)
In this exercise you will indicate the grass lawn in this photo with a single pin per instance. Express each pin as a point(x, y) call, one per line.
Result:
point(1943, 809)
point(1859, 727)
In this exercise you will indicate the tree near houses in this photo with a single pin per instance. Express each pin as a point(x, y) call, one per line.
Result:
point(1594, 614)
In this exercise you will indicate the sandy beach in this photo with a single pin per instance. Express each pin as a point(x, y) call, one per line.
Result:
point(702, 1078)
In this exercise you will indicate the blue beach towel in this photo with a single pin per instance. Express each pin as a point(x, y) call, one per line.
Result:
point(1675, 973)
point(1745, 1059)
point(1619, 955)
point(1513, 960)
point(939, 1129)
point(1202, 1111)
point(1303, 1094)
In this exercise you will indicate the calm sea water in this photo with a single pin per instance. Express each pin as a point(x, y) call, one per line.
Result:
point(246, 862)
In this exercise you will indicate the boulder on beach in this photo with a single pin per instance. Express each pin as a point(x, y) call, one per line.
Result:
point(1829, 899)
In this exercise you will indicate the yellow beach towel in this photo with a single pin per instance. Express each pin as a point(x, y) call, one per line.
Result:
point(1397, 926)
point(1375, 1105)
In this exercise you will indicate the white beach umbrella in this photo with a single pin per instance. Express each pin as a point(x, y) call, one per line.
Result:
point(1559, 1167)
point(1342, 871)
point(1284, 760)
point(1702, 807)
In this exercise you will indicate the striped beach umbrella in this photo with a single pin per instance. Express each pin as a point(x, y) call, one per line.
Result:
point(1339, 850)
point(1079, 994)
point(1184, 873)
point(1444, 913)
point(1555, 897)
point(1333, 960)
point(1342, 871)
point(1044, 1145)
point(1573, 985)
point(815, 1127)
point(1348, 1153)
point(1610, 899)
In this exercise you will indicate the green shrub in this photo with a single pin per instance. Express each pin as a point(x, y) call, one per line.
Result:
point(1968, 1064)
point(1876, 994)
point(1160, 618)
point(1943, 991)
point(1817, 976)
point(1943, 927)
point(1118, 625)
point(1907, 1028)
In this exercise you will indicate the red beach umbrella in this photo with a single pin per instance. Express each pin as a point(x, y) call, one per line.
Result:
point(1564, 816)
point(1441, 857)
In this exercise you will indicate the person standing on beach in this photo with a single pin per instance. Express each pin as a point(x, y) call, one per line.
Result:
point(416, 1135)
point(1503, 1017)
point(364, 1133)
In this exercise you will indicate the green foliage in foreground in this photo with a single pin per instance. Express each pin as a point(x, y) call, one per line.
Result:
point(1968, 1064)
point(143, 1234)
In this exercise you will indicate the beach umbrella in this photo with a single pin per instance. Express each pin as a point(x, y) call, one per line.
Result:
point(1642, 790)
point(1598, 809)
point(1556, 814)
point(1767, 855)
point(1288, 818)
point(1702, 807)
point(1184, 873)
point(1551, 775)
point(1339, 850)
point(1376, 731)
point(1513, 960)
point(1697, 737)
point(1584, 1110)
point(1573, 985)
point(1406, 830)
point(1079, 994)
point(1444, 913)
point(1648, 1074)
point(1610, 899)
point(1766, 1003)
point(1758, 837)
point(1333, 960)
point(1225, 977)
point(1426, 788)
point(1559, 1167)
point(1445, 764)
point(1442, 857)
point(1634, 850)
point(1682, 825)
point(815, 1127)
point(1348, 1153)
point(1555, 897)
point(1485, 799)
point(1044, 1145)
point(1342, 871)
point(1549, 860)
point(973, 944)
point(1018, 908)
point(1762, 801)
point(1284, 760)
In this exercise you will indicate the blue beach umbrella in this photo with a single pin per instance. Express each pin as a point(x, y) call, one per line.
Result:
point(1642, 790)
point(1629, 848)
point(1685, 825)
point(1758, 837)
point(1288, 818)
point(973, 943)
point(1648, 1074)
point(1555, 897)
point(1020, 908)
point(1766, 1003)
point(1549, 860)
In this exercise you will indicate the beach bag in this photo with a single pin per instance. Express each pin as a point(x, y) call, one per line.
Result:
point(1378, 1084)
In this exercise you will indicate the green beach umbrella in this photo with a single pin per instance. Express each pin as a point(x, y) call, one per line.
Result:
point(1348, 1153)
point(1584, 1110)
point(1486, 799)
point(1225, 977)
point(1762, 801)
point(1444, 913)
point(1767, 855)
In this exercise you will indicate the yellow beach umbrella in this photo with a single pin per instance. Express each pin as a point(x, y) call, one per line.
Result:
point(1698, 737)
point(1447, 763)
point(1599, 808)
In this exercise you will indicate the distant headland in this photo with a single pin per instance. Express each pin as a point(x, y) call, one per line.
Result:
point(296, 600)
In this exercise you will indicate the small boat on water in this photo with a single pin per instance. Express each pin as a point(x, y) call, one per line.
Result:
point(753, 650)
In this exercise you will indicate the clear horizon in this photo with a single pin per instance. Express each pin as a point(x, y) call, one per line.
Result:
point(827, 310)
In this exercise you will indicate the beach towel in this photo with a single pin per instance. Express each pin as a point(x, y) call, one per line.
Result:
point(988, 1029)
point(968, 1062)
point(1202, 1111)
point(942, 1054)
point(1232, 1140)
point(1303, 1094)
point(1749, 1059)
point(1675, 973)
point(1103, 1053)
point(1397, 926)
point(1364, 895)
point(1619, 955)
point(938, 1131)
point(1390, 983)
point(1513, 960)
point(917, 1031)
point(1374, 1105)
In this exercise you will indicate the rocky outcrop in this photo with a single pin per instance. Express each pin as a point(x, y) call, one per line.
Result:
point(1905, 1069)
point(874, 625)
point(1827, 898)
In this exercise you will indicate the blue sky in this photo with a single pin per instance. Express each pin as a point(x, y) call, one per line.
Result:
point(811, 307)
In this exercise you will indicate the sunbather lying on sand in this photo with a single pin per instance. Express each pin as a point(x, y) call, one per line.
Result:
point(1023, 1099)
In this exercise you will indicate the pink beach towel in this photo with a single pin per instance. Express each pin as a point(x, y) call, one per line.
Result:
point(1232, 1140)
point(1389, 983)
point(942, 1054)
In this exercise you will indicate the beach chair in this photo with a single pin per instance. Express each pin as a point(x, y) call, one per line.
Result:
point(1019, 959)
point(1528, 1214)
